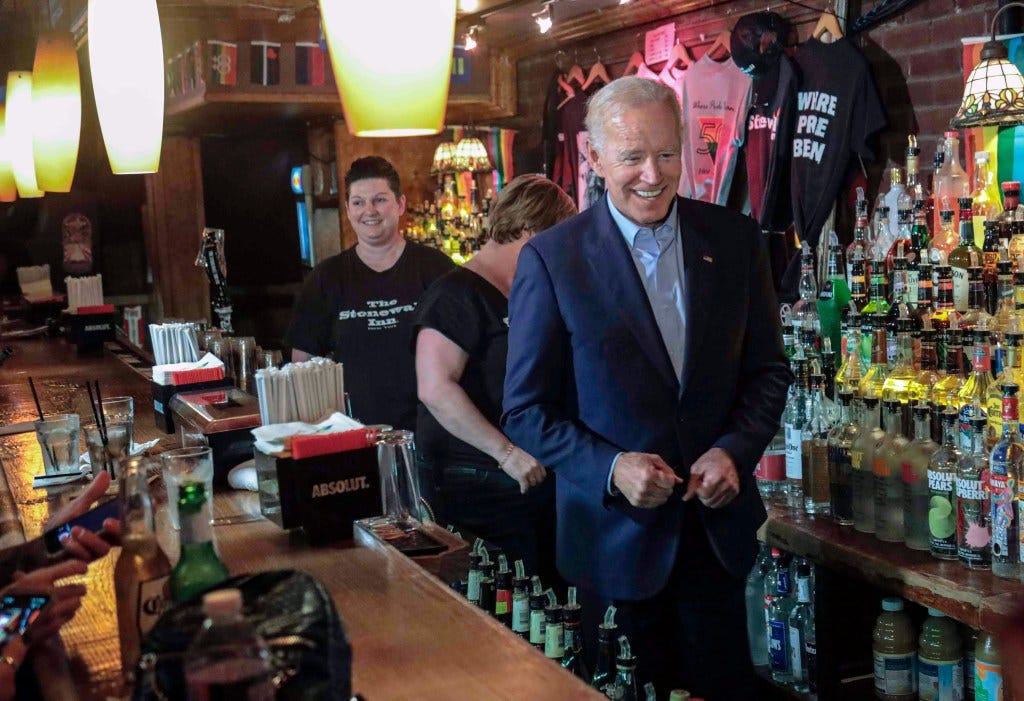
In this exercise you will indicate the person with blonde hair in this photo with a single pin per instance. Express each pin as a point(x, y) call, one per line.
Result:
point(476, 478)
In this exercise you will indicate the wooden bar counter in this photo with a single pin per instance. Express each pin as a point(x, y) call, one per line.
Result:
point(412, 637)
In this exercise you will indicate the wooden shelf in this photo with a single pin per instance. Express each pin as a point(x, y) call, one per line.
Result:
point(977, 598)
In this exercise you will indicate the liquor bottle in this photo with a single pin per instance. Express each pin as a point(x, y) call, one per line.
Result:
point(914, 463)
point(625, 686)
point(896, 190)
point(904, 236)
point(798, 620)
point(902, 306)
point(872, 383)
point(947, 237)
point(1005, 320)
point(878, 304)
point(973, 534)
point(199, 567)
point(1004, 476)
point(814, 451)
point(142, 570)
point(754, 602)
point(896, 386)
point(888, 480)
point(834, 294)
point(965, 256)
point(538, 602)
point(851, 370)
point(228, 658)
point(942, 473)
point(984, 193)
point(973, 396)
point(884, 235)
point(1007, 219)
point(572, 617)
point(788, 339)
point(1010, 373)
point(925, 288)
point(1018, 292)
point(778, 624)
point(990, 258)
point(794, 419)
point(449, 200)
point(604, 668)
point(927, 377)
point(951, 179)
point(862, 457)
point(946, 391)
point(771, 469)
point(858, 254)
point(944, 306)
point(805, 311)
point(922, 241)
point(915, 184)
point(554, 636)
point(840, 465)
point(828, 374)
point(977, 317)
point(503, 592)
point(521, 602)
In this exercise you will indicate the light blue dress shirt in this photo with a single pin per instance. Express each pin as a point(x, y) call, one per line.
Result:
point(658, 256)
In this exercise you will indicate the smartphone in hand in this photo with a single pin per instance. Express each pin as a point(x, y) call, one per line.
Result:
point(18, 612)
point(91, 520)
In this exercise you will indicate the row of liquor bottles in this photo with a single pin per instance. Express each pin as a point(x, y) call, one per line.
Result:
point(455, 226)
point(940, 661)
point(533, 612)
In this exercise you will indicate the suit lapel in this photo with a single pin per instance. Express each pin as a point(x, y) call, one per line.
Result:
point(616, 273)
point(698, 280)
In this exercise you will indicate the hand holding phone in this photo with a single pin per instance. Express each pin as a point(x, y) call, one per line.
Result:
point(90, 543)
point(92, 520)
point(63, 602)
point(18, 612)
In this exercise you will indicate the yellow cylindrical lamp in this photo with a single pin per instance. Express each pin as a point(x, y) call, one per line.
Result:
point(126, 59)
point(57, 105)
point(8, 190)
point(19, 133)
point(393, 81)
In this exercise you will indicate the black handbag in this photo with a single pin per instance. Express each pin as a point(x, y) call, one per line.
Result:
point(295, 615)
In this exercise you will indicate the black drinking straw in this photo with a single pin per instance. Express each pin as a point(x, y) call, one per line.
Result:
point(101, 425)
point(39, 409)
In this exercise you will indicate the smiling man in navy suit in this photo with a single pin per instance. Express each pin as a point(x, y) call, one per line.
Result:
point(646, 368)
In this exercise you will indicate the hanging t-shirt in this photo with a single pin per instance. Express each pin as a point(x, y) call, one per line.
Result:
point(590, 186)
point(837, 111)
point(473, 314)
point(714, 98)
point(769, 133)
point(362, 318)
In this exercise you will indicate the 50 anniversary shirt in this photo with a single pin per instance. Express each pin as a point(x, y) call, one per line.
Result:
point(363, 318)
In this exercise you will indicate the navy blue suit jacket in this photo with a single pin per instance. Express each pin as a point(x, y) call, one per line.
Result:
point(588, 376)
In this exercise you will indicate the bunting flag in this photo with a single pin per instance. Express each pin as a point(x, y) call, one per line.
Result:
point(1005, 145)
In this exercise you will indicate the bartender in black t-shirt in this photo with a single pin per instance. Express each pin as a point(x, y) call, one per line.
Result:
point(356, 307)
point(476, 478)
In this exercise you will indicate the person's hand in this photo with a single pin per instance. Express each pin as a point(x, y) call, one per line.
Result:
point(644, 479)
point(65, 599)
point(80, 543)
point(14, 654)
point(713, 479)
point(524, 469)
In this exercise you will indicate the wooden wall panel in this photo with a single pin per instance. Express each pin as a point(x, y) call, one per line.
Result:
point(411, 157)
point(175, 221)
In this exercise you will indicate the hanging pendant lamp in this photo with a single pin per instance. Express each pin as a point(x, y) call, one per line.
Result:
point(57, 109)
point(8, 190)
point(126, 60)
point(19, 133)
point(393, 81)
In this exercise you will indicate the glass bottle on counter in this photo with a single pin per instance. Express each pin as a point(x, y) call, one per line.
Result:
point(873, 381)
point(888, 481)
point(940, 662)
point(840, 465)
point(228, 658)
point(142, 571)
point(625, 687)
point(878, 302)
point(572, 620)
point(799, 617)
point(757, 618)
point(942, 473)
point(604, 669)
point(895, 653)
point(884, 231)
point(947, 237)
point(1008, 219)
point(862, 456)
point(794, 420)
point(781, 605)
point(914, 464)
point(805, 311)
point(973, 535)
point(554, 635)
point(977, 317)
point(1005, 320)
point(964, 256)
point(988, 668)
point(1004, 476)
point(896, 386)
point(1010, 373)
point(503, 592)
point(814, 451)
point(928, 376)
point(199, 567)
point(521, 602)
point(973, 396)
point(984, 194)
point(950, 180)
point(851, 370)
point(538, 601)
point(858, 254)
point(946, 390)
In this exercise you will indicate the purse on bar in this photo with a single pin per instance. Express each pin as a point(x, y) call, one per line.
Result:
point(295, 615)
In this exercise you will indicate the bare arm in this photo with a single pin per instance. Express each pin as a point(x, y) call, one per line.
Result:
point(439, 367)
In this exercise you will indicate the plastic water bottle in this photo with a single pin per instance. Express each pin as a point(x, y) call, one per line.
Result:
point(228, 658)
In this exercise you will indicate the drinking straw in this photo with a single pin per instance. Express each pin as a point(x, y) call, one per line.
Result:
point(35, 398)
point(101, 424)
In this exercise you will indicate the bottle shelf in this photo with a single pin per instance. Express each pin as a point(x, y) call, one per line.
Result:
point(978, 599)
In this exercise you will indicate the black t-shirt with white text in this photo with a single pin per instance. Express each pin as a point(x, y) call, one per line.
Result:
point(837, 111)
point(473, 314)
point(362, 318)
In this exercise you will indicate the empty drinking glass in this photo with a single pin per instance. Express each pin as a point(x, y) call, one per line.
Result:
point(185, 466)
point(58, 441)
point(243, 361)
point(107, 455)
point(121, 410)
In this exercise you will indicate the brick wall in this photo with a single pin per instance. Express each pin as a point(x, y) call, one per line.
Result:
point(915, 57)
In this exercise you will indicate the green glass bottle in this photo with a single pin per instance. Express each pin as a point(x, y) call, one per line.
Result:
point(199, 566)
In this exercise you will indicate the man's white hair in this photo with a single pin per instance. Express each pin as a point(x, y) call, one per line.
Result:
point(623, 94)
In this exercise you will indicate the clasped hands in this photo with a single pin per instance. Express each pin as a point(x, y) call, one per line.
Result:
point(647, 482)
